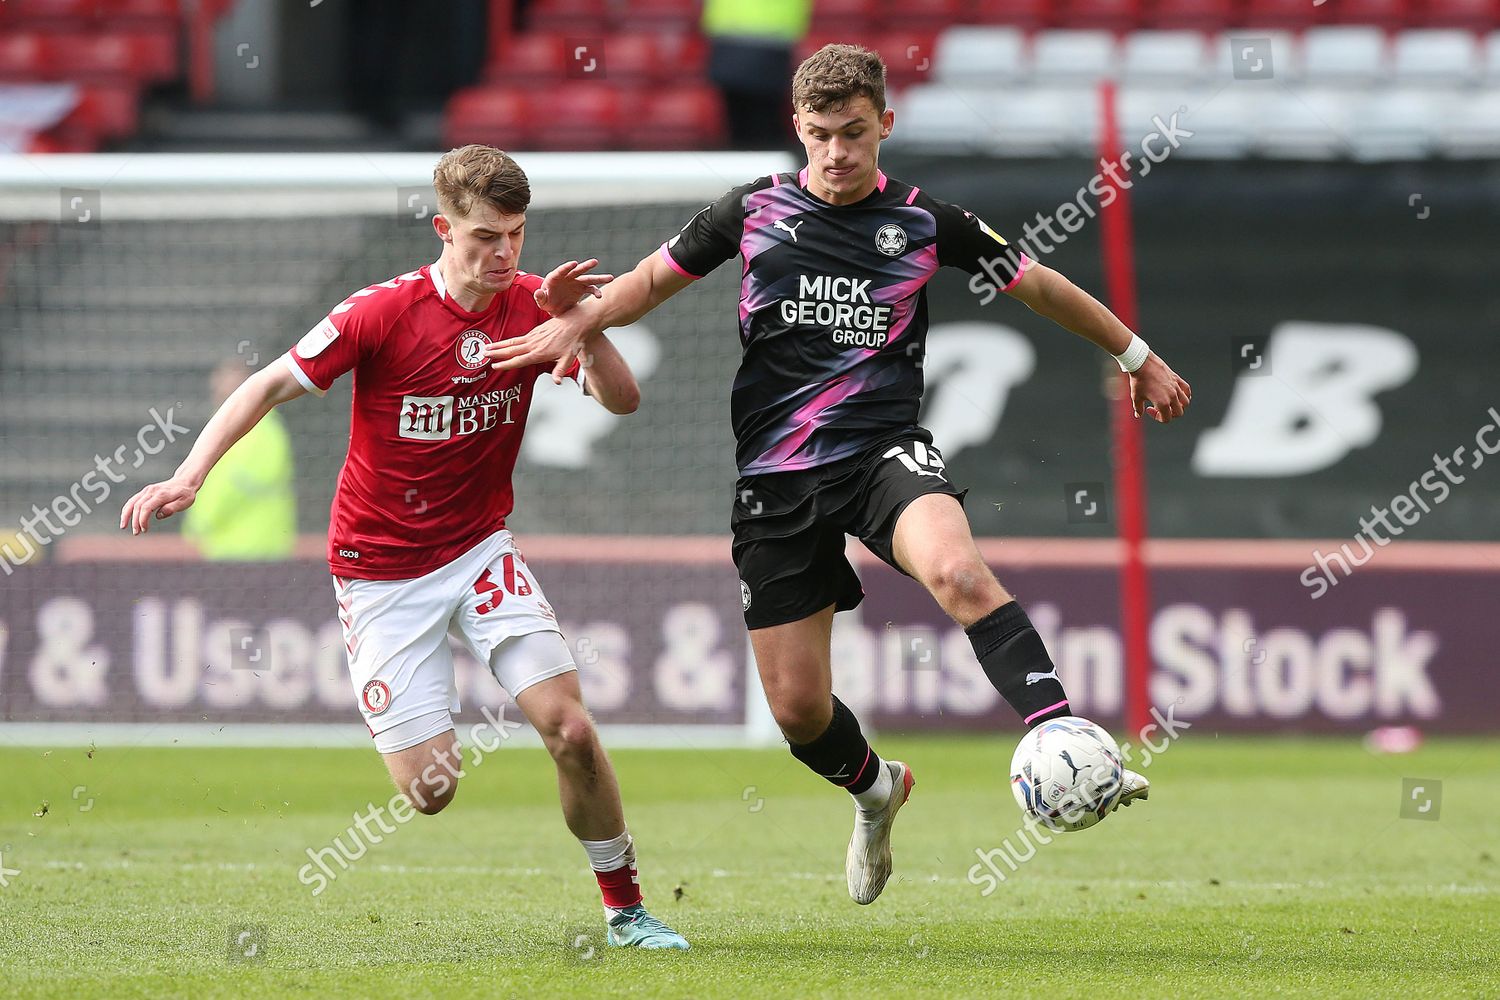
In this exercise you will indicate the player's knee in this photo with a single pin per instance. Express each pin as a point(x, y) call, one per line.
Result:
point(961, 580)
point(431, 797)
point(802, 716)
point(570, 736)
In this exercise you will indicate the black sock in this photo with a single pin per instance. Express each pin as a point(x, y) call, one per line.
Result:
point(841, 754)
point(1011, 652)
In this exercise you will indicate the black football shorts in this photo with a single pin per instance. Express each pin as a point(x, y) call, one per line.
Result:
point(789, 527)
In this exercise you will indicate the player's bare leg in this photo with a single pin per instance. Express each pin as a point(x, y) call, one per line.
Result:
point(795, 670)
point(933, 543)
point(591, 807)
point(427, 774)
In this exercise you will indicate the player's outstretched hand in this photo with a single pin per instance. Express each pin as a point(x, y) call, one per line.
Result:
point(567, 284)
point(1162, 392)
point(162, 499)
point(556, 342)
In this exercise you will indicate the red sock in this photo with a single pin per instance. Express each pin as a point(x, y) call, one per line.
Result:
point(621, 887)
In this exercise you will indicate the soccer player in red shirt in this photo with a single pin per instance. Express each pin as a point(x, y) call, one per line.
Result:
point(833, 323)
point(417, 540)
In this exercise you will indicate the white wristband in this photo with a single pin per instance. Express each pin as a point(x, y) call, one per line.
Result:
point(1133, 356)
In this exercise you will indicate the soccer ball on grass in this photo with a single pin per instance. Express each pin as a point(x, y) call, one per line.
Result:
point(1066, 773)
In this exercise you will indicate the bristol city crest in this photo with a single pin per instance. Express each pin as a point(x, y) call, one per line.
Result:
point(377, 697)
point(470, 349)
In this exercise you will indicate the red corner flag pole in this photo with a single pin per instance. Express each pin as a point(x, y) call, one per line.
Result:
point(1117, 247)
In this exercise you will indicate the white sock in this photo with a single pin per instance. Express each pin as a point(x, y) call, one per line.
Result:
point(610, 855)
point(879, 793)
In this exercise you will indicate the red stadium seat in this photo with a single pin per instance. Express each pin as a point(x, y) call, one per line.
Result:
point(1115, 15)
point(853, 16)
point(531, 57)
point(668, 15)
point(581, 17)
point(1021, 13)
point(908, 55)
point(165, 10)
point(1388, 14)
point(1481, 15)
point(58, 12)
point(580, 115)
point(1204, 15)
point(1284, 14)
point(147, 56)
point(926, 14)
point(110, 112)
point(26, 55)
point(689, 117)
point(639, 56)
point(497, 116)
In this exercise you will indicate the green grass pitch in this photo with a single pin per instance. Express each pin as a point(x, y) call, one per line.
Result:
point(1258, 868)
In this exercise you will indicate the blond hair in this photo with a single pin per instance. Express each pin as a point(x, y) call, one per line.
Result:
point(474, 174)
point(835, 75)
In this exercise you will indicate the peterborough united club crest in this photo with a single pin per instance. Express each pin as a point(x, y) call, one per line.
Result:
point(471, 347)
point(377, 697)
point(891, 240)
point(745, 594)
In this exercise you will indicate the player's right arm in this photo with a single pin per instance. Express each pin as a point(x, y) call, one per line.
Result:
point(255, 397)
point(710, 238)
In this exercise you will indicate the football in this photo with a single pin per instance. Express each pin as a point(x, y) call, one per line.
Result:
point(1066, 773)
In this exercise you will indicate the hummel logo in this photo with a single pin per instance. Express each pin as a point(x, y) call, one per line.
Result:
point(1035, 676)
point(778, 224)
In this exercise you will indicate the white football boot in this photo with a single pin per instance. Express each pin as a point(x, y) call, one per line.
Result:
point(868, 863)
point(1135, 787)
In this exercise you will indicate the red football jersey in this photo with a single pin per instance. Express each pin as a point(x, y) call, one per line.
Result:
point(434, 430)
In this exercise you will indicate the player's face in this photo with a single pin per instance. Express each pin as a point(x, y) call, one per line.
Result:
point(487, 248)
point(843, 147)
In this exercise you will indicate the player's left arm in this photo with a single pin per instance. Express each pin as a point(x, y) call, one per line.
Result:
point(607, 377)
point(1048, 293)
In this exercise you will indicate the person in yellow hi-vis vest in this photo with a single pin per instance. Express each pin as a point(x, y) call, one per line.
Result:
point(750, 61)
point(246, 508)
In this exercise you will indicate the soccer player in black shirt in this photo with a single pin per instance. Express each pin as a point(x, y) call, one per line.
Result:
point(833, 322)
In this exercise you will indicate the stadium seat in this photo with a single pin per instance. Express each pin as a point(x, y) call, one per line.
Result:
point(1480, 15)
point(1435, 56)
point(690, 117)
point(589, 18)
point(61, 13)
point(1240, 48)
point(1309, 123)
point(499, 116)
point(1204, 15)
point(109, 112)
point(1225, 124)
point(951, 118)
point(1387, 14)
point(641, 56)
point(145, 56)
point(658, 15)
point(1029, 14)
point(859, 17)
point(26, 55)
point(1344, 54)
point(1045, 121)
point(1284, 13)
point(530, 57)
point(980, 54)
point(1066, 56)
point(1163, 55)
point(165, 10)
point(1116, 15)
point(1472, 128)
point(908, 55)
point(929, 15)
point(582, 115)
point(1396, 125)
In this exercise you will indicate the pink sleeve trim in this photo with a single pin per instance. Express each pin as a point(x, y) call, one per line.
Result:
point(776, 180)
point(666, 256)
point(913, 196)
point(1020, 272)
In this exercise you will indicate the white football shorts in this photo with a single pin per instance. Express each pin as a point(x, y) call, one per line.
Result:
point(396, 633)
